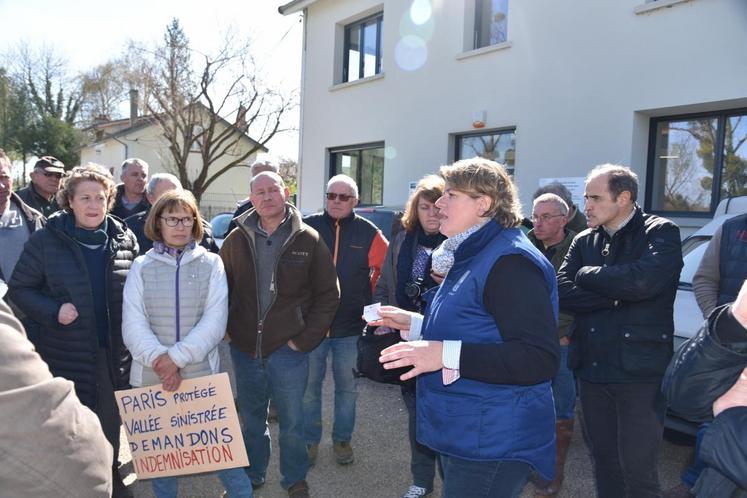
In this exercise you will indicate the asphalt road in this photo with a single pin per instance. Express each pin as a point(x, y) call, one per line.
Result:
point(381, 467)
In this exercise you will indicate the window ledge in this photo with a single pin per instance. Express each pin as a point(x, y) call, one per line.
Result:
point(361, 81)
point(656, 5)
point(485, 50)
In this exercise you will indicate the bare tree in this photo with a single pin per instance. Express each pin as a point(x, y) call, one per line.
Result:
point(209, 107)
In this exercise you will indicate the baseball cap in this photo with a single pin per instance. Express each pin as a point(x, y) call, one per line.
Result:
point(50, 164)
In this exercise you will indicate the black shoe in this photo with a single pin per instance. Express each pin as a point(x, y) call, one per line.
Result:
point(119, 490)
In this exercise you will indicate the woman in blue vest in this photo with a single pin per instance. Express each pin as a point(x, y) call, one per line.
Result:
point(175, 312)
point(487, 348)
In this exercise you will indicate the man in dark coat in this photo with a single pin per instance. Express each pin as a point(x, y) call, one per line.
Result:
point(158, 184)
point(620, 279)
point(707, 382)
point(45, 182)
point(131, 197)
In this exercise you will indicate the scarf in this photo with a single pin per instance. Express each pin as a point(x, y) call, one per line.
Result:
point(405, 263)
point(91, 238)
point(443, 257)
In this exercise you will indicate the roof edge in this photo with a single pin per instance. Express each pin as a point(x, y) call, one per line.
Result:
point(294, 6)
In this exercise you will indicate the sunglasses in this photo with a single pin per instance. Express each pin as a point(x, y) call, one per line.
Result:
point(331, 196)
point(49, 175)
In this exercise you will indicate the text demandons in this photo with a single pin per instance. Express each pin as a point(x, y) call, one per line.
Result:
point(176, 460)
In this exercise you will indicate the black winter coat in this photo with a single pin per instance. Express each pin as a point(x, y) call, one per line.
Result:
point(51, 272)
point(703, 369)
point(621, 290)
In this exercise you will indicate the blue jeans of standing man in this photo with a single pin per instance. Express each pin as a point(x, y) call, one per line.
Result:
point(483, 479)
point(344, 358)
point(235, 481)
point(564, 388)
point(283, 376)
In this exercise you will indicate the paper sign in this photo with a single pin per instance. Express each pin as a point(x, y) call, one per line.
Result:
point(195, 429)
point(371, 312)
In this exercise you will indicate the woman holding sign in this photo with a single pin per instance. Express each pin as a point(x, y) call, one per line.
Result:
point(490, 347)
point(175, 312)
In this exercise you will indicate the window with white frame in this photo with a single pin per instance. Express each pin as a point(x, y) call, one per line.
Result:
point(364, 164)
point(491, 23)
point(695, 161)
point(362, 48)
point(497, 145)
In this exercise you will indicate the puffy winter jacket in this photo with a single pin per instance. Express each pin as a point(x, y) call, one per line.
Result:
point(175, 306)
point(621, 290)
point(51, 272)
point(703, 369)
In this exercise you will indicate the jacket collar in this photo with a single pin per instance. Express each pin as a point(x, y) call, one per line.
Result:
point(478, 240)
point(31, 214)
point(343, 221)
point(632, 225)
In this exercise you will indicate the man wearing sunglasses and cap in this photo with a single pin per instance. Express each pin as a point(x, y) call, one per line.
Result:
point(358, 249)
point(45, 182)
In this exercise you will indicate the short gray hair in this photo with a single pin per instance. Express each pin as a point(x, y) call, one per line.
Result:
point(150, 189)
point(619, 179)
point(552, 198)
point(131, 162)
point(265, 161)
point(558, 189)
point(346, 180)
point(271, 174)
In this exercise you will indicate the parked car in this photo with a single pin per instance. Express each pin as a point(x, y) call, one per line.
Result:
point(220, 223)
point(386, 218)
point(687, 315)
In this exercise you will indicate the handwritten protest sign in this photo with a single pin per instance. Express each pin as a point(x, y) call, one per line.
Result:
point(194, 429)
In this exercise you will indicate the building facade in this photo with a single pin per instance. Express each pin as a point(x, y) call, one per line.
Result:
point(393, 89)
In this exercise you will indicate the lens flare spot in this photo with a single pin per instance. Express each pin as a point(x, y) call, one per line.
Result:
point(420, 11)
point(410, 53)
point(390, 152)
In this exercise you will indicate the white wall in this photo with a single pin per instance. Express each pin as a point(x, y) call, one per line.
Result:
point(579, 81)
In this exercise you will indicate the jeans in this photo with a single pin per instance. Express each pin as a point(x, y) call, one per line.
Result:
point(564, 388)
point(624, 424)
point(235, 481)
point(283, 376)
point(478, 479)
point(344, 359)
point(691, 474)
point(422, 458)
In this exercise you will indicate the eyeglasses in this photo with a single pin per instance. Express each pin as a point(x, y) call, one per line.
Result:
point(173, 221)
point(331, 196)
point(545, 217)
point(49, 175)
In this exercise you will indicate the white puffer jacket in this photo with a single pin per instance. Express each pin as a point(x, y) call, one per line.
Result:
point(175, 307)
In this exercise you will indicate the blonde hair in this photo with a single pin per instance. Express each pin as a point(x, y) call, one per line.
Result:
point(479, 176)
point(89, 173)
point(168, 202)
point(430, 188)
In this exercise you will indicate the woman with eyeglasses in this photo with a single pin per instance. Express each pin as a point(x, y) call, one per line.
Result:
point(487, 347)
point(405, 276)
point(175, 312)
point(69, 282)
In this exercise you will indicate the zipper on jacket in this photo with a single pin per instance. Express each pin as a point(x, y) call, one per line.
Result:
point(178, 310)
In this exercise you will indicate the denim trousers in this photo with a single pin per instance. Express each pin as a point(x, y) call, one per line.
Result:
point(344, 359)
point(564, 388)
point(625, 425)
point(282, 376)
point(422, 458)
point(483, 479)
point(235, 481)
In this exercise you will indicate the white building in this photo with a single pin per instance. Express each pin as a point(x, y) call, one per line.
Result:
point(391, 89)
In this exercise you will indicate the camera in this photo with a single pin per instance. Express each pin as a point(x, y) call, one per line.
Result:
point(414, 288)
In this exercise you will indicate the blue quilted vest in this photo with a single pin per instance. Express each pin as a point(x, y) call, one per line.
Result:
point(471, 419)
point(732, 258)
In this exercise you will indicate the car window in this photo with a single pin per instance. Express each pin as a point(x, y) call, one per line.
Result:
point(220, 225)
point(692, 251)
